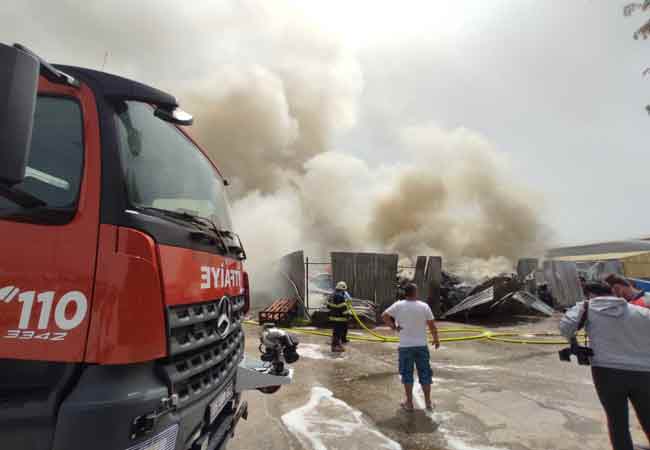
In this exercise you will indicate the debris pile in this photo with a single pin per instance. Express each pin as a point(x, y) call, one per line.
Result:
point(459, 299)
point(453, 290)
point(506, 293)
point(376, 280)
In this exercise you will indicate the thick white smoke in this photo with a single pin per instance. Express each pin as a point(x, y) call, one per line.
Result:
point(270, 91)
point(456, 199)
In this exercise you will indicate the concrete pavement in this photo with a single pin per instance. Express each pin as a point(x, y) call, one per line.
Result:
point(488, 396)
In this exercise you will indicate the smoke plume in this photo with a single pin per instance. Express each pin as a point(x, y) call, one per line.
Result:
point(455, 199)
point(270, 92)
point(459, 201)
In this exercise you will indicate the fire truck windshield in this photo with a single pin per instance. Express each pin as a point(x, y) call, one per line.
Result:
point(163, 169)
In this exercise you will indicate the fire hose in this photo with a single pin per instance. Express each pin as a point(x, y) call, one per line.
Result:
point(509, 337)
point(506, 336)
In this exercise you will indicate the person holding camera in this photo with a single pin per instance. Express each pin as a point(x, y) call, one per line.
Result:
point(619, 337)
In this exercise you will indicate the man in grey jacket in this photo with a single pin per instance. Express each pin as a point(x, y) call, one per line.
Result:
point(619, 335)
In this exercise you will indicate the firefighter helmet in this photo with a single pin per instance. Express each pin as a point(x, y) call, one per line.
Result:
point(341, 286)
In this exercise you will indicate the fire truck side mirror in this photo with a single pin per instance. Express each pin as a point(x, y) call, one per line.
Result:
point(19, 72)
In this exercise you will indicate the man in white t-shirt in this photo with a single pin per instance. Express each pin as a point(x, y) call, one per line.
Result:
point(411, 317)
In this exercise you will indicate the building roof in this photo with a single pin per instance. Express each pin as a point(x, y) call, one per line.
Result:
point(601, 256)
point(599, 248)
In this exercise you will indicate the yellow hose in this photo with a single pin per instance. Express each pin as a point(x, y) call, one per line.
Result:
point(513, 338)
point(505, 336)
point(363, 325)
point(481, 332)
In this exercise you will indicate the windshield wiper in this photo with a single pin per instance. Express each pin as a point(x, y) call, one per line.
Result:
point(181, 215)
point(20, 197)
point(232, 245)
point(238, 248)
point(203, 223)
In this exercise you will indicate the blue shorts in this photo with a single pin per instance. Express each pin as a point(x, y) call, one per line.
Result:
point(418, 357)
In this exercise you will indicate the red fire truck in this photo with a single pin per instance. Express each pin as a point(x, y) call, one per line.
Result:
point(122, 289)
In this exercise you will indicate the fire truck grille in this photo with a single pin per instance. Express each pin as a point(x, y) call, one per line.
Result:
point(205, 346)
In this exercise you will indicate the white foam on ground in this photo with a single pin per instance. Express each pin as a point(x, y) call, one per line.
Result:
point(315, 351)
point(326, 422)
point(461, 367)
point(457, 444)
point(311, 351)
point(454, 442)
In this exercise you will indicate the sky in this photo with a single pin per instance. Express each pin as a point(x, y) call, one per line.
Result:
point(555, 86)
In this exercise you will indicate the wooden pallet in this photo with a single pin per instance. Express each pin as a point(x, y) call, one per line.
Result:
point(280, 311)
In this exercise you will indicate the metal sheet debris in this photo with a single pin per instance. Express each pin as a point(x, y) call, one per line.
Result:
point(528, 299)
point(530, 291)
point(473, 301)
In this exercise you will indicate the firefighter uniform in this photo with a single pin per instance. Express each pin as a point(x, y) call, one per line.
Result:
point(339, 313)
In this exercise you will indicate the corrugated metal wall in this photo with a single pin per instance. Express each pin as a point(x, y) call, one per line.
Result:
point(369, 276)
point(562, 278)
point(293, 268)
point(630, 264)
point(526, 268)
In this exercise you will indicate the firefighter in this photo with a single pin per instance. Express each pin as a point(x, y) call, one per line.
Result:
point(339, 311)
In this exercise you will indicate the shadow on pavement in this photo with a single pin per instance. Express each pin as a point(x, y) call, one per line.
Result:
point(410, 422)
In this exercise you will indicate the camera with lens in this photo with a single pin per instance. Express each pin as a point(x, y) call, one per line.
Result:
point(277, 348)
point(583, 354)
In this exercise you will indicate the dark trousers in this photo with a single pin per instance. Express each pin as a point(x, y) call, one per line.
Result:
point(615, 387)
point(339, 333)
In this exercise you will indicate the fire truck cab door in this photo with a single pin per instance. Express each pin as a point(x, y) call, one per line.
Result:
point(48, 251)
